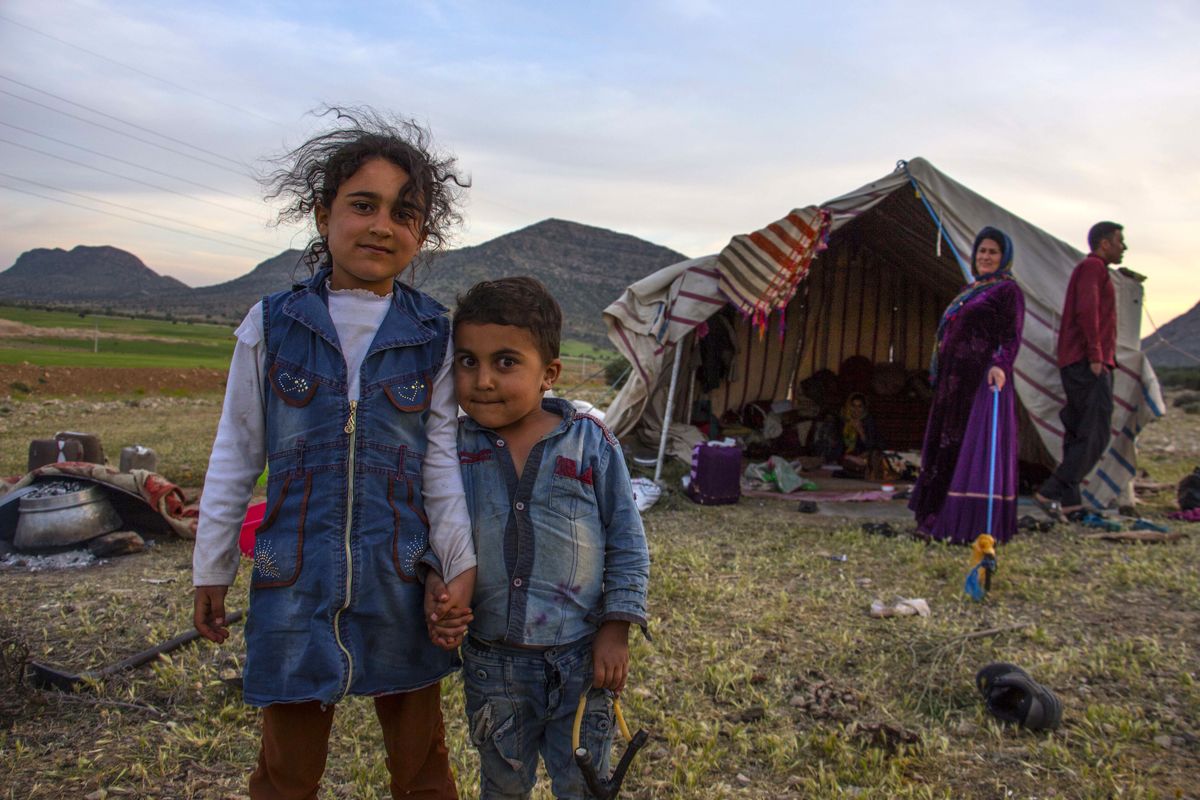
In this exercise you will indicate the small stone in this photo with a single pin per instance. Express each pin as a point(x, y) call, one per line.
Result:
point(752, 714)
point(798, 700)
point(117, 543)
point(1164, 740)
point(744, 780)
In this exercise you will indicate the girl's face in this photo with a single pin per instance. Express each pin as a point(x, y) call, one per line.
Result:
point(370, 241)
point(987, 257)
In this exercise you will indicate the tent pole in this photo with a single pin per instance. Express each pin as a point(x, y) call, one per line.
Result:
point(662, 439)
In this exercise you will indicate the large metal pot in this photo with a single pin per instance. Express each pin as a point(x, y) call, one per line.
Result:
point(63, 513)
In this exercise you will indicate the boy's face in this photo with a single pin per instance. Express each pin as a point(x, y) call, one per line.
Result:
point(499, 374)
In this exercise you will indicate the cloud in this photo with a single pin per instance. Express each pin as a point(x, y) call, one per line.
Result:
point(683, 121)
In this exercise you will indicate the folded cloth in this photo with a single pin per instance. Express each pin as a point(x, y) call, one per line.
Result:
point(1097, 521)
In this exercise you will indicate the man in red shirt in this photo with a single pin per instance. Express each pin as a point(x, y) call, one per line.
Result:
point(1087, 345)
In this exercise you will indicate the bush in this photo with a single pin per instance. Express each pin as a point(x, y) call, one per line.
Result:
point(615, 372)
point(1186, 399)
point(1179, 377)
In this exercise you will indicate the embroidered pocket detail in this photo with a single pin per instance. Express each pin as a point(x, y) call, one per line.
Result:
point(572, 494)
point(467, 457)
point(291, 387)
point(567, 468)
point(279, 540)
point(407, 548)
point(410, 393)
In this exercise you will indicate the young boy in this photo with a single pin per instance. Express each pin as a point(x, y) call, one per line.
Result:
point(562, 557)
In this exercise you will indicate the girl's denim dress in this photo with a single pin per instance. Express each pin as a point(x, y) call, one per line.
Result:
point(335, 602)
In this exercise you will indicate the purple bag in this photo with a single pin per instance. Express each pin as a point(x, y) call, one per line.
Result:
point(716, 477)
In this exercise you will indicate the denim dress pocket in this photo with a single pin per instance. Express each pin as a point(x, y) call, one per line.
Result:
point(279, 541)
point(291, 384)
point(408, 544)
point(410, 392)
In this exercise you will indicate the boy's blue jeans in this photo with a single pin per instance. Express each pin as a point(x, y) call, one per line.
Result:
point(521, 703)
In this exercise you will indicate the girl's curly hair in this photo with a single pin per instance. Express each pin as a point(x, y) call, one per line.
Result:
point(309, 176)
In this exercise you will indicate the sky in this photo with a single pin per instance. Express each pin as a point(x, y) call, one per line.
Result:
point(142, 125)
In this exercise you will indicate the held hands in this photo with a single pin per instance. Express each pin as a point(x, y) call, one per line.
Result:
point(447, 608)
point(208, 614)
point(610, 656)
point(996, 378)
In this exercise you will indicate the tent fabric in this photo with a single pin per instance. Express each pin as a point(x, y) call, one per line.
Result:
point(760, 271)
point(898, 246)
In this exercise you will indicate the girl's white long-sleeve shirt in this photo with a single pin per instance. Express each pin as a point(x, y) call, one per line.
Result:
point(239, 451)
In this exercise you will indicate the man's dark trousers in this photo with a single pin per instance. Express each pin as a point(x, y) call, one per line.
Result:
point(1087, 420)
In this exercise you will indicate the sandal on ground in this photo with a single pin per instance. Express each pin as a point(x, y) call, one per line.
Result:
point(879, 529)
point(1018, 699)
point(1029, 523)
point(1052, 508)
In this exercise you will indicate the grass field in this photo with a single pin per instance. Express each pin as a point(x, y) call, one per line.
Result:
point(766, 677)
point(63, 339)
point(111, 341)
point(116, 324)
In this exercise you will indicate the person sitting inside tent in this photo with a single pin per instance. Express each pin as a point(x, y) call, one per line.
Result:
point(850, 437)
point(977, 344)
point(859, 434)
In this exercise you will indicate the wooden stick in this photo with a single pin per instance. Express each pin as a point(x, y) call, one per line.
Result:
point(100, 701)
point(962, 637)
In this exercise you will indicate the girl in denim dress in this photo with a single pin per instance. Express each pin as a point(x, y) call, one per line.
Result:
point(341, 386)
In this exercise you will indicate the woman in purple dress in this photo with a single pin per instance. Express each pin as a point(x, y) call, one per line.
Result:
point(977, 343)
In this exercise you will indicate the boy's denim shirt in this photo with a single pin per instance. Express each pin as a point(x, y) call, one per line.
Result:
point(562, 549)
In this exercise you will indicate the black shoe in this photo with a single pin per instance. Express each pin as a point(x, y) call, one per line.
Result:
point(1012, 696)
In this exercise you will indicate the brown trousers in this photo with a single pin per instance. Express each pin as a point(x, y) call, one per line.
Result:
point(295, 743)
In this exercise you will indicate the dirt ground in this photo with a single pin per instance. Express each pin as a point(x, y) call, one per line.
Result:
point(766, 677)
point(87, 381)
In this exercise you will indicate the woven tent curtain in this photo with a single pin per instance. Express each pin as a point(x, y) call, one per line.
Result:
point(760, 271)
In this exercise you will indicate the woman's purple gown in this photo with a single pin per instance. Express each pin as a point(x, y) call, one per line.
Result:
point(950, 497)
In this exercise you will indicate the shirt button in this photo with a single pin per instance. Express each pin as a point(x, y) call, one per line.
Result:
point(517, 582)
point(520, 506)
point(499, 443)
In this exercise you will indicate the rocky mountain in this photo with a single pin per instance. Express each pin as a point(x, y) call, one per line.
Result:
point(585, 267)
point(91, 275)
point(1176, 344)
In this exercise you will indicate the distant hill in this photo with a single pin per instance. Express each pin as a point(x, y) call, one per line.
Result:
point(232, 299)
point(92, 275)
point(585, 267)
point(1180, 334)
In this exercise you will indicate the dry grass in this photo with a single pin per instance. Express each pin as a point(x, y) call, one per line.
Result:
point(766, 678)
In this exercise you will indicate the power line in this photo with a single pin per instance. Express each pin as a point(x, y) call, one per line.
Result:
point(172, 84)
point(128, 178)
point(127, 134)
point(131, 208)
point(122, 161)
point(134, 125)
point(131, 219)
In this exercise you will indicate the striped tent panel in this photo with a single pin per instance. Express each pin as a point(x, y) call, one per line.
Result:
point(760, 270)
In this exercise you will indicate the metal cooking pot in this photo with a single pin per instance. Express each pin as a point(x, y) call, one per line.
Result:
point(61, 515)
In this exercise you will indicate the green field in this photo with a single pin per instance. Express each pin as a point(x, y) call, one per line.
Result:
point(175, 344)
point(167, 344)
point(574, 347)
point(199, 332)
